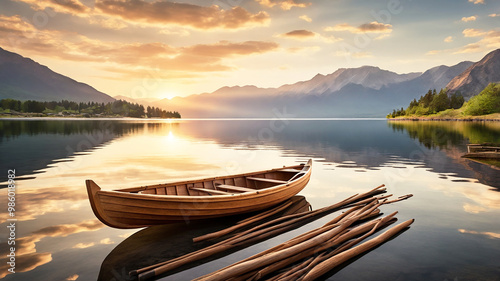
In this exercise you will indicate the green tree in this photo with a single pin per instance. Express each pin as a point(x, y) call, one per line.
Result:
point(487, 102)
point(439, 102)
point(456, 100)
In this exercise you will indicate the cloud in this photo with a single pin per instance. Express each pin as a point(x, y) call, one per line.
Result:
point(72, 277)
point(306, 18)
point(493, 15)
point(157, 12)
point(26, 256)
point(62, 6)
point(477, 1)
point(64, 230)
point(467, 19)
point(108, 23)
point(25, 263)
point(165, 12)
point(433, 52)
point(283, 4)
point(73, 47)
point(375, 27)
point(83, 245)
point(474, 209)
point(372, 27)
point(301, 33)
point(490, 40)
point(472, 32)
point(448, 39)
point(491, 235)
point(106, 241)
point(41, 201)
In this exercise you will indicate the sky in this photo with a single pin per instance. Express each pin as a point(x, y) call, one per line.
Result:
point(164, 48)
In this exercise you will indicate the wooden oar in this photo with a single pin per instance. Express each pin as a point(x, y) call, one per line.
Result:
point(337, 260)
point(261, 232)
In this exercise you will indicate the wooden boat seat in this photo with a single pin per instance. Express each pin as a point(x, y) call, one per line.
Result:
point(211, 191)
point(235, 188)
point(266, 180)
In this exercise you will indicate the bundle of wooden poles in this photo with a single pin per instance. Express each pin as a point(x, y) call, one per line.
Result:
point(304, 257)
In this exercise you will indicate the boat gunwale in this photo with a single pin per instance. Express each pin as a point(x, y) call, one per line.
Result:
point(162, 197)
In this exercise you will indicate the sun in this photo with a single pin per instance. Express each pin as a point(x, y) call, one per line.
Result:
point(167, 95)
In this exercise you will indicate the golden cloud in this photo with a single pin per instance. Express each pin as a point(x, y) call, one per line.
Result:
point(472, 32)
point(283, 4)
point(25, 263)
point(490, 40)
point(164, 12)
point(73, 277)
point(305, 18)
point(375, 27)
point(493, 15)
point(467, 19)
point(477, 1)
point(69, 46)
point(448, 39)
point(62, 6)
point(156, 12)
point(26, 256)
point(64, 230)
point(44, 200)
point(302, 33)
point(83, 245)
point(372, 27)
point(488, 234)
point(106, 241)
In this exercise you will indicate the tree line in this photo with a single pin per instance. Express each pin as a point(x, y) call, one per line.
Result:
point(430, 103)
point(115, 108)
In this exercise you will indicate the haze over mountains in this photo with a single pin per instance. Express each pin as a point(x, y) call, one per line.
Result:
point(366, 91)
point(357, 92)
point(24, 79)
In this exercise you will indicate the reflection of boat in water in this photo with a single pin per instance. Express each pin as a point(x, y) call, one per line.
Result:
point(164, 242)
point(197, 199)
point(483, 151)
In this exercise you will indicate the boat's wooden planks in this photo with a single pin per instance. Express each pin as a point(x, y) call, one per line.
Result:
point(184, 191)
point(229, 181)
point(240, 181)
point(171, 190)
point(149, 191)
point(161, 191)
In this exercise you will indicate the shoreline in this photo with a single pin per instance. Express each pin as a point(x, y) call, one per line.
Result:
point(446, 119)
point(482, 118)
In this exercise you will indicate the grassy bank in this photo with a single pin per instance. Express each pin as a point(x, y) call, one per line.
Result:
point(450, 115)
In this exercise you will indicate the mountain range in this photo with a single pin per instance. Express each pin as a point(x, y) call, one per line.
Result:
point(24, 79)
point(356, 92)
point(365, 91)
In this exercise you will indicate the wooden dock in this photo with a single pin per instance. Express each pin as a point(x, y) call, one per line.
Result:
point(486, 151)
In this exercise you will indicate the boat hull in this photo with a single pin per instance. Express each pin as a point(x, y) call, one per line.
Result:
point(121, 209)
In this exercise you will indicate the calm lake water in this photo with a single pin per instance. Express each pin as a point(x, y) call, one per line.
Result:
point(456, 203)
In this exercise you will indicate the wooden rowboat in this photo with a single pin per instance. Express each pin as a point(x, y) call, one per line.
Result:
point(197, 199)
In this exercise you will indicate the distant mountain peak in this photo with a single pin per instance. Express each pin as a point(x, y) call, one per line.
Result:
point(24, 79)
point(477, 76)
